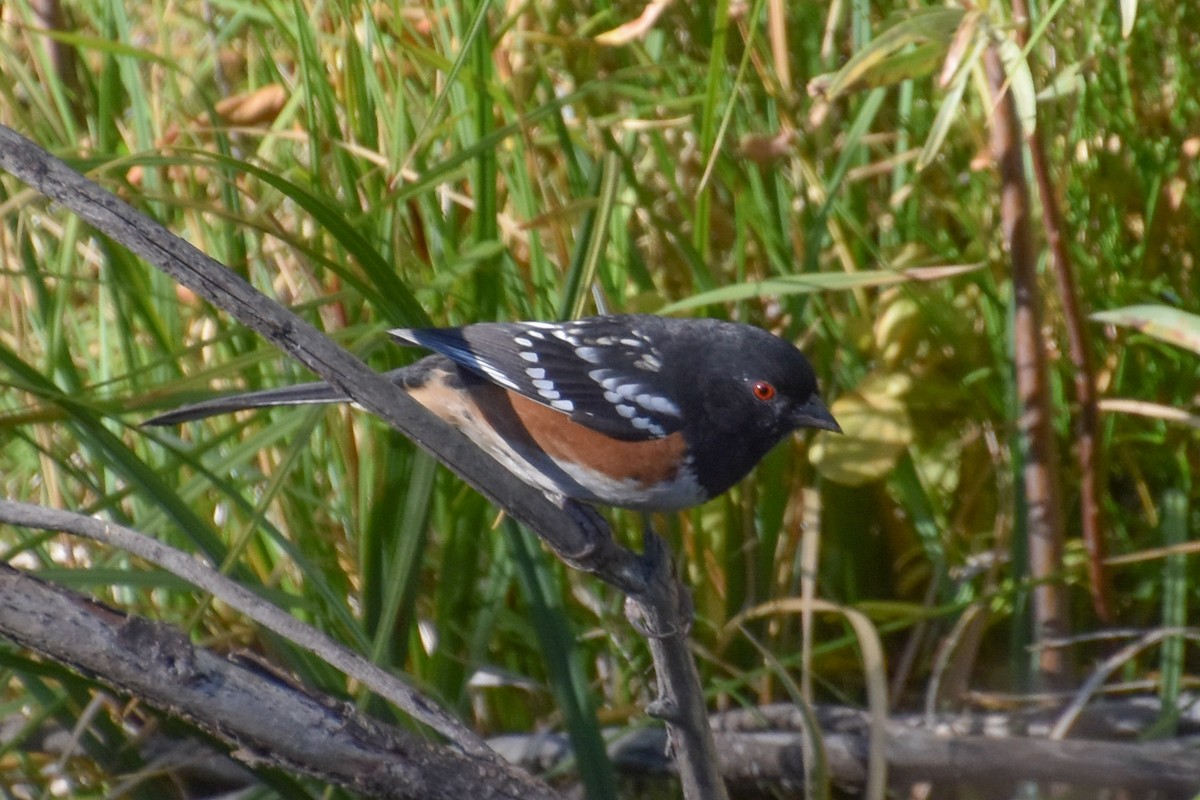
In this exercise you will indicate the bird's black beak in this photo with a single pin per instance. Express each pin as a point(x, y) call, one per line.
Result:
point(814, 414)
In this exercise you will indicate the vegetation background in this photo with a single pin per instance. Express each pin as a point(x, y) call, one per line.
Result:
point(386, 164)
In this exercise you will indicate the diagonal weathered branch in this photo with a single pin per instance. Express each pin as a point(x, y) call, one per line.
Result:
point(272, 721)
point(420, 708)
point(578, 535)
point(228, 291)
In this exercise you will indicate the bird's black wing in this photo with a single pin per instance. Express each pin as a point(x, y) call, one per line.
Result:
point(602, 371)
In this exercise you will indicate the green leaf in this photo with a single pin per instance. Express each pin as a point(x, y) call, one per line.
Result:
point(1067, 82)
point(948, 112)
point(1020, 83)
point(809, 283)
point(1162, 322)
point(1176, 586)
point(874, 65)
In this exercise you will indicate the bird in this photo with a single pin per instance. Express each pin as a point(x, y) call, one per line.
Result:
point(634, 411)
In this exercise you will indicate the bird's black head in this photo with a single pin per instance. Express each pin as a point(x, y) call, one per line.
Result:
point(747, 390)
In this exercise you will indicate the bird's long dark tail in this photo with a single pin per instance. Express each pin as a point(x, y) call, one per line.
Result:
point(301, 394)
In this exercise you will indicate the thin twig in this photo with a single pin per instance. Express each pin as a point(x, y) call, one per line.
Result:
point(665, 615)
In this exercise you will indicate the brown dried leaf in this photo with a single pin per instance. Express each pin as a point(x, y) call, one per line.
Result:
point(254, 108)
point(634, 29)
point(763, 149)
point(959, 45)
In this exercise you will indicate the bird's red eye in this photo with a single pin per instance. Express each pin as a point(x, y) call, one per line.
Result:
point(763, 390)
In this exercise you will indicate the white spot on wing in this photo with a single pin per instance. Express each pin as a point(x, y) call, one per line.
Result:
point(589, 354)
point(648, 362)
point(626, 391)
point(496, 375)
point(523, 341)
point(537, 373)
point(532, 358)
point(657, 403)
point(622, 393)
point(546, 389)
point(562, 405)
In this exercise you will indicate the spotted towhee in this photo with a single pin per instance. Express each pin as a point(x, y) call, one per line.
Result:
point(636, 411)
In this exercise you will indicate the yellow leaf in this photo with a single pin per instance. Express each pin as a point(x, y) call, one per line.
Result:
point(876, 431)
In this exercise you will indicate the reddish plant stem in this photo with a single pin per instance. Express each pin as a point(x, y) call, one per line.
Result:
point(1087, 422)
point(1044, 527)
